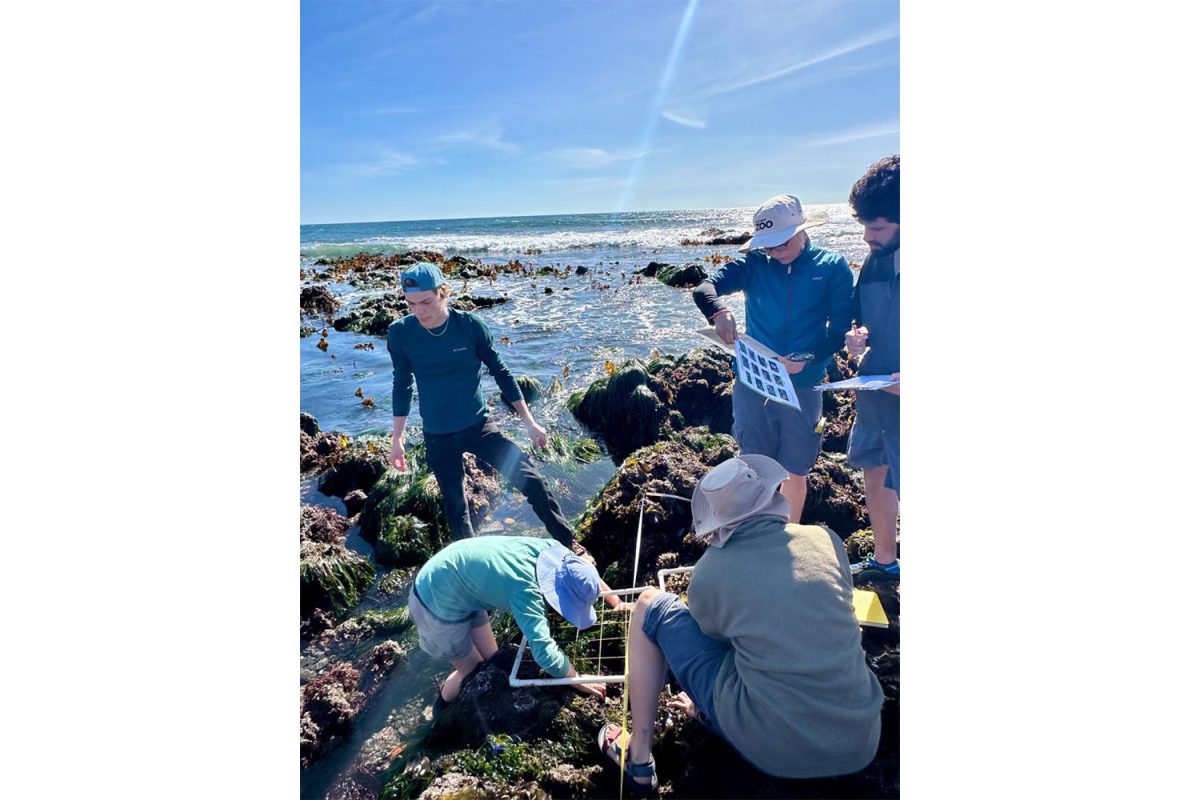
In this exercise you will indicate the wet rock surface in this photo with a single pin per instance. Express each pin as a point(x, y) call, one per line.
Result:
point(640, 404)
point(403, 513)
point(318, 300)
point(332, 577)
point(610, 523)
point(717, 236)
point(835, 496)
point(682, 277)
point(487, 705)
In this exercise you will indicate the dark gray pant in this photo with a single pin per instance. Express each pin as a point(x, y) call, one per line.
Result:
point(444, 453)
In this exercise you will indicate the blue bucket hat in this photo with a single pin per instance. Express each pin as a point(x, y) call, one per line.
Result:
point(422, 277)
point(569, 584)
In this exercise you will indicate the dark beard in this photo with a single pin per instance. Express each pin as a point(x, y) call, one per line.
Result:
point(892, 247)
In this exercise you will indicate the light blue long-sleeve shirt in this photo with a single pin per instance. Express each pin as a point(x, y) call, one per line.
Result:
point(488, 572)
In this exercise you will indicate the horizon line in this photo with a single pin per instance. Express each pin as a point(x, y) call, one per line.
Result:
point(532, 216)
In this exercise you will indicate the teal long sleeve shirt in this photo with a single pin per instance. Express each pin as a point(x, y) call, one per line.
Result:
point(448, 368)
point(488, 572)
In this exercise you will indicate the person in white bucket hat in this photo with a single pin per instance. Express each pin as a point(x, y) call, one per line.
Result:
point(798, 299)
point(767, 648)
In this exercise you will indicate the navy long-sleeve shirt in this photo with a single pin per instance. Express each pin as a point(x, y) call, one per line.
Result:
point(447, 368)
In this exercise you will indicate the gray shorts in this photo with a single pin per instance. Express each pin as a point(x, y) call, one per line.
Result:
point(785, 434)
point(439, 638)
point(875, 437)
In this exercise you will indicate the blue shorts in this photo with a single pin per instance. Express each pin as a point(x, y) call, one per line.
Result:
point(776, 430)
point(693, 657)
point(875, 437)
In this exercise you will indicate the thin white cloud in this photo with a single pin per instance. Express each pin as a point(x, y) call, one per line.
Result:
point(834, 52)
point(680, 119)
point(589, 157)
point(387, 162)
point(384, 111)
point(488, 138)
point(854, 134)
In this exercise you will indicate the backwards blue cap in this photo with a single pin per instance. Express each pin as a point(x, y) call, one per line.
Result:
point(422, 277)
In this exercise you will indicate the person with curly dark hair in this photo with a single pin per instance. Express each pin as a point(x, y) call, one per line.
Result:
point(875, 336)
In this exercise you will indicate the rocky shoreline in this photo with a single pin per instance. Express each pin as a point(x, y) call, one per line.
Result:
point(664, 422)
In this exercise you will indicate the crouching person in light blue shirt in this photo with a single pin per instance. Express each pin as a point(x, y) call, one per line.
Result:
point(454, 590)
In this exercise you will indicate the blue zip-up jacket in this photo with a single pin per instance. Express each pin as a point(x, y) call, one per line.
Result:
point(791, 308)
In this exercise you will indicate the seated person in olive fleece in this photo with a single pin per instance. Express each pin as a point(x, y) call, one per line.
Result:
point(446, 350)
point(767, 649)
point(455, 588)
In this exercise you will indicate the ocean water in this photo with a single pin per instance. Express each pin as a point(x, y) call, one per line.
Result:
point(569, 334)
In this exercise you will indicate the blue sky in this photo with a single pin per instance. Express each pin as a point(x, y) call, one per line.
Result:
point(466, 108)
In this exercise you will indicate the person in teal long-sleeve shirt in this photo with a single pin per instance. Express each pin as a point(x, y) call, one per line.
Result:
point(446, 351)
point(465, 579)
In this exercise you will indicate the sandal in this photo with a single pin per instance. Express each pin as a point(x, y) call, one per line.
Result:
point(612, 753)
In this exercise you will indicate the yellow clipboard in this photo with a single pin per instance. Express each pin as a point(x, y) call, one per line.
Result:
point(868, 609)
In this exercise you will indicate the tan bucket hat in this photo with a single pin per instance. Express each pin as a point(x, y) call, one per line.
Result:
point(734, 490)
point(778, 220)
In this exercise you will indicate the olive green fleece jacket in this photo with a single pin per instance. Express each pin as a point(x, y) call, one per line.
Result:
point(794, 695)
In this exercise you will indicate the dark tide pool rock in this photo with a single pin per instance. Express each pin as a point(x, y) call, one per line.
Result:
point(531, 389)
point(581, 270)
point(359, 469)
point(308, 424)
point(323, 525)
point(641, 404)
point(621, 408)
point(355, 499)
point(838, 407)
point(488, 705)
point(306, 331)
point(405, 541)
point(460, 786)
point(685, 277)
point(328, 705)
point(373, 315)
point(474, 302)
point(332, 577)
point(835, 496)
point(699, 385)
point(330, 702)
point(318, 300)
point(608, 528)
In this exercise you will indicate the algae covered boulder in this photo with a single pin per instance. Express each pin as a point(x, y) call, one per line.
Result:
point(685, 277)
point(317, 300)
point(697, 385)
point(531, 390)
point(835, 496)
point(319, 449)
point(405, 541)
point(364, 463)
point(640, 404)
point(416, 494)
point(328, 705)
point(373, 315)
point(487, 705)
point(608, 528)
point(621, 408)
point(331, 576)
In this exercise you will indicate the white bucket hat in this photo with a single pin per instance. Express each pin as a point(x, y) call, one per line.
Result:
point(734, 490)
point(778, 220)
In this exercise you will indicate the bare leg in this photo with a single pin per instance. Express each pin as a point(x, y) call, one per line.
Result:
point(795, 489)
point(462, 668)
point(647, 674)
point(484, 641)
point(882, 505)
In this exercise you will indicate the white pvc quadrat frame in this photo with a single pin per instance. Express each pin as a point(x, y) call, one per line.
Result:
point(513, 680)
